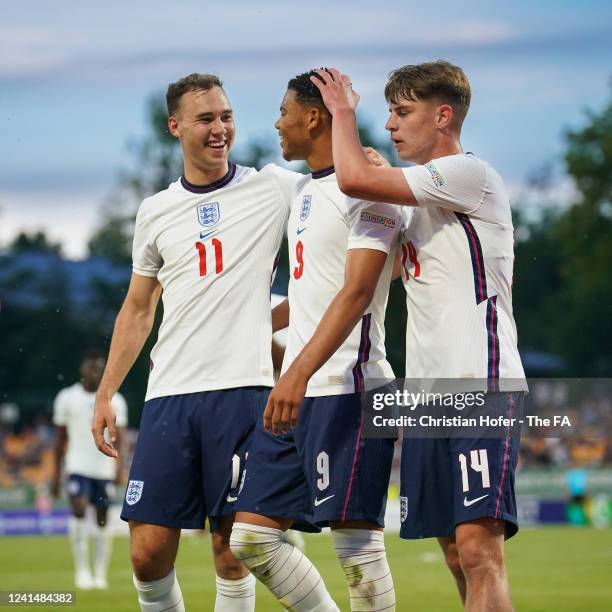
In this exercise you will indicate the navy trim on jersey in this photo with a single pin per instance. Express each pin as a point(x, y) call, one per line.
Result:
point(222, 182)
point(478, 267)
point(318, 174)
point(492, 338)
point(364, 352)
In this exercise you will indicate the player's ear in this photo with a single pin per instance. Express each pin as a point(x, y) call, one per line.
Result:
point(444, 116)
point(173, 126)
point(315, 119)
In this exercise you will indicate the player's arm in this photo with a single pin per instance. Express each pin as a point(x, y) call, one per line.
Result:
point(356, 176)
point(363, 268)
point(280, 316)
point(59, 451)
point(132, 328)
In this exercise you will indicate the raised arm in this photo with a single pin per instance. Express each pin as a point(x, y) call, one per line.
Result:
point(356, 176)
point(132, 328)
point(363, 268)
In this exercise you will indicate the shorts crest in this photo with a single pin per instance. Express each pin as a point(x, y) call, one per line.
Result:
point(134, 492)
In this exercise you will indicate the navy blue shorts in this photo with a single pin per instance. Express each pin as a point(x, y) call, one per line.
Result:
point(190, 455)
point(324, 470)
point(448, 481)
point(97, 490)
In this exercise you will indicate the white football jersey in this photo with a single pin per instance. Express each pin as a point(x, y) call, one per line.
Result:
point(457, 263)
point(324, 224)
point(213, 250)
point(73, 408)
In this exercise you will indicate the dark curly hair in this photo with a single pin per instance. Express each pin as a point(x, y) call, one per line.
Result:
point(306, 92)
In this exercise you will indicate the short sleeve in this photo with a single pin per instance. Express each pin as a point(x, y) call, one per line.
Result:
point(454, 182)
point(60, 410)
point(120, 406)
point(146, 260)
point(286, 181)
point(373, 225)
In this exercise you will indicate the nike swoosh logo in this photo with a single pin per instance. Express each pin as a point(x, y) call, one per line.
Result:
point(318, 502)
point(231, 499)
point(204, 234)
point(467, 503)
point(300, 230)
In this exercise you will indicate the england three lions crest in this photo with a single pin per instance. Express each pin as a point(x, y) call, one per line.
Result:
point(209, 214)
point(305, 208)
point(134, 492)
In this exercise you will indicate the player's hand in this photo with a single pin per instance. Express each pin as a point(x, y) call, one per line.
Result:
point(376, 158)
point(281, 413)
point(336, 90)
point(104, 418)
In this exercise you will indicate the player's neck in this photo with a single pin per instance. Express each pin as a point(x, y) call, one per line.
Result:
point(320, 160)
point(204, 176)
point(444, 148)
point(90, 388)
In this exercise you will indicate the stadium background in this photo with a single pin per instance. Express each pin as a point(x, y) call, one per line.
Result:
point(85, 140)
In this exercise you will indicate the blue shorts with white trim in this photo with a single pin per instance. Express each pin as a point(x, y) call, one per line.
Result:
point(449, 481)
point(189, 457)
point(323, 471)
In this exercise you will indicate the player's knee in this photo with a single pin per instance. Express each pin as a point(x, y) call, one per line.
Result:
point(78, 511)
point(478, 560)
point(149, 563)
point(255, 547)
point(451, 556)
point(226, 563)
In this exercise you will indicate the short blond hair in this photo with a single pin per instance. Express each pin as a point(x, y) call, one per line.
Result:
point(438, 80)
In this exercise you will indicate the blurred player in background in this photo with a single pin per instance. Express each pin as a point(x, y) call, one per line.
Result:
point(208, 245)
point(341, 258)
point(457, 259)
point(90, 476)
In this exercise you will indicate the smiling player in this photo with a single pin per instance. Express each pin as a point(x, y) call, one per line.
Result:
point(208, 245)
point(341, 258)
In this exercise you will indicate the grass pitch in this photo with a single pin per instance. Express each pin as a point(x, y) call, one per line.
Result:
point(560, 569)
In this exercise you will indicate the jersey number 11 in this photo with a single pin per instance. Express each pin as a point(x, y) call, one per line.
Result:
point(218, 256)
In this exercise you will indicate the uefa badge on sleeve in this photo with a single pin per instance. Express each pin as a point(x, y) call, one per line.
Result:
point(209, 214)
point(305, 208)
point(134, 492)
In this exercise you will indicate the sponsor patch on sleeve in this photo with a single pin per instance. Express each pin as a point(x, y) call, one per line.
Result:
point(436, 175)
point(375, 218)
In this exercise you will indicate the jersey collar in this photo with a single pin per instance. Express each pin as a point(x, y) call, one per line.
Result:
point(319, 174)
point(222, 182)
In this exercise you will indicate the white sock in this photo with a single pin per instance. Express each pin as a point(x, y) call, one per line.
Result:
point(236, 595)
point(160, 595)
point(77, 530)
point(363, 558)
point(103, 545)
point(284, 569)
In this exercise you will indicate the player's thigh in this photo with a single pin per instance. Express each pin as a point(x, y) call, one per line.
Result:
point(347, 473)
point(153, 550)
point(483, 471)
point(165, 481)
point(227, 421)
point(273, 484)
point(426, 489)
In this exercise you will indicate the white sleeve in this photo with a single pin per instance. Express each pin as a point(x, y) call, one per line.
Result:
point(454, 182)
point(120, 406)
point(60, 410)
point(146, 260)
point(286, 181)
point(372, 225)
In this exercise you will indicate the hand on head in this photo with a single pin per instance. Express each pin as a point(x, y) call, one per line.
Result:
point(336, 90)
